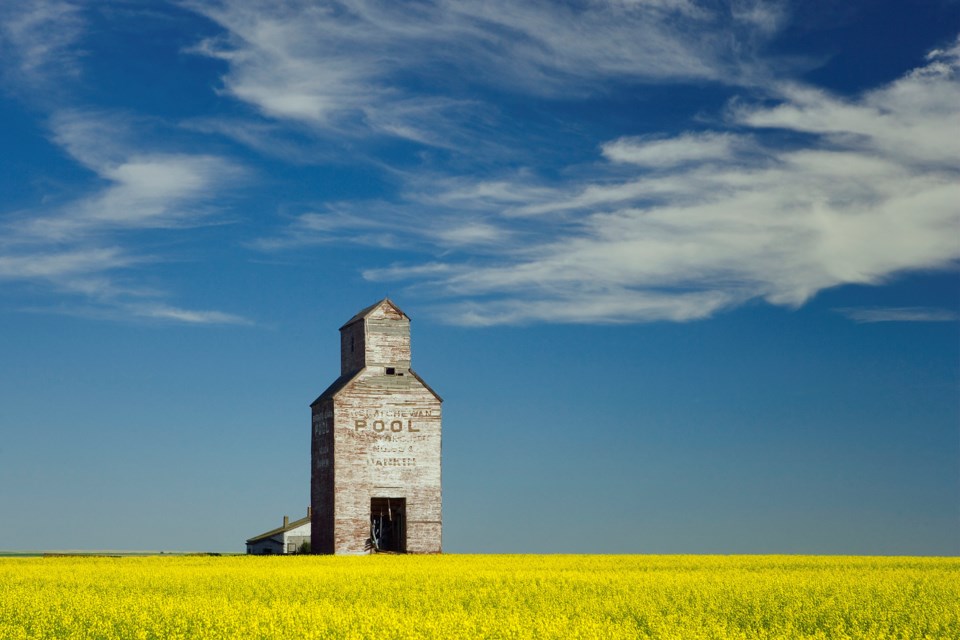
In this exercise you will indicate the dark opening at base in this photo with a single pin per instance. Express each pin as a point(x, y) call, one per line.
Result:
point(388, 524)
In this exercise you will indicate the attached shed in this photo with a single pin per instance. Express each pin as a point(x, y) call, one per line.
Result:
point(286, 539)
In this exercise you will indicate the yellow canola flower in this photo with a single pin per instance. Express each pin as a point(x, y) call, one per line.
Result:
point(453, 596)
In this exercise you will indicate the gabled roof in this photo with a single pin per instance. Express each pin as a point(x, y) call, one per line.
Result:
point(338, 384)
point(363, 313)
point(343, 381)
point(428, 387)
point(279, 530)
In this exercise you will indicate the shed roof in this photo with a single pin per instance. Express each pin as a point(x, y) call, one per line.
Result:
point(278, 530)
point(363, 313)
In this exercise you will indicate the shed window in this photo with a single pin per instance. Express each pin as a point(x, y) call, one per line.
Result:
point(391, 371)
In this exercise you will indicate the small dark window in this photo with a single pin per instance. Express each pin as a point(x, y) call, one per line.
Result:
point(391, 371)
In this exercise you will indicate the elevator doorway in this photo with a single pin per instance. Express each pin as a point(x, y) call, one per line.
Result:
point(388, 524)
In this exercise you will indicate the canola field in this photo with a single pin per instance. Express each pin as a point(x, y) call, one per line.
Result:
point(451, 596)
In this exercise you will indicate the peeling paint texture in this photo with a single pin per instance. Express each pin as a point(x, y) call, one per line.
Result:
point(376, 435)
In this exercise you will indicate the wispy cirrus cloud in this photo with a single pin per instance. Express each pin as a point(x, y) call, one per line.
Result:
point(80, 247)
point(143, 190)
point(663, 225)
point(659, 152)
point(54, 264)
point(164, 312)
point(140, 313)
point(357, 67)
point(37, 40)
point(898, 314)
point(726, 216)
point(80, 244)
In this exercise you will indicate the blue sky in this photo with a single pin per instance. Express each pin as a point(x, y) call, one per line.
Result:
point(685, 273)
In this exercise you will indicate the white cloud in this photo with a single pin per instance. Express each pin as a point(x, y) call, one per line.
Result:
point(668, 152)
point(142, 190)
point(470, 233)
point(346, 66)
point(267, 138)
point(38, 38)
point(867, 191)
point(618, 306)
point(385, 225)
point(909, 120)
point(140, 312)
point(175, 314)
point(765, 15)
point(466, 193)
point(48, 264)
point(898, 314)
point(81, 246)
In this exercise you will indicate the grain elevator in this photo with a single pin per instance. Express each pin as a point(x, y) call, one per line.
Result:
point(376, 445)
